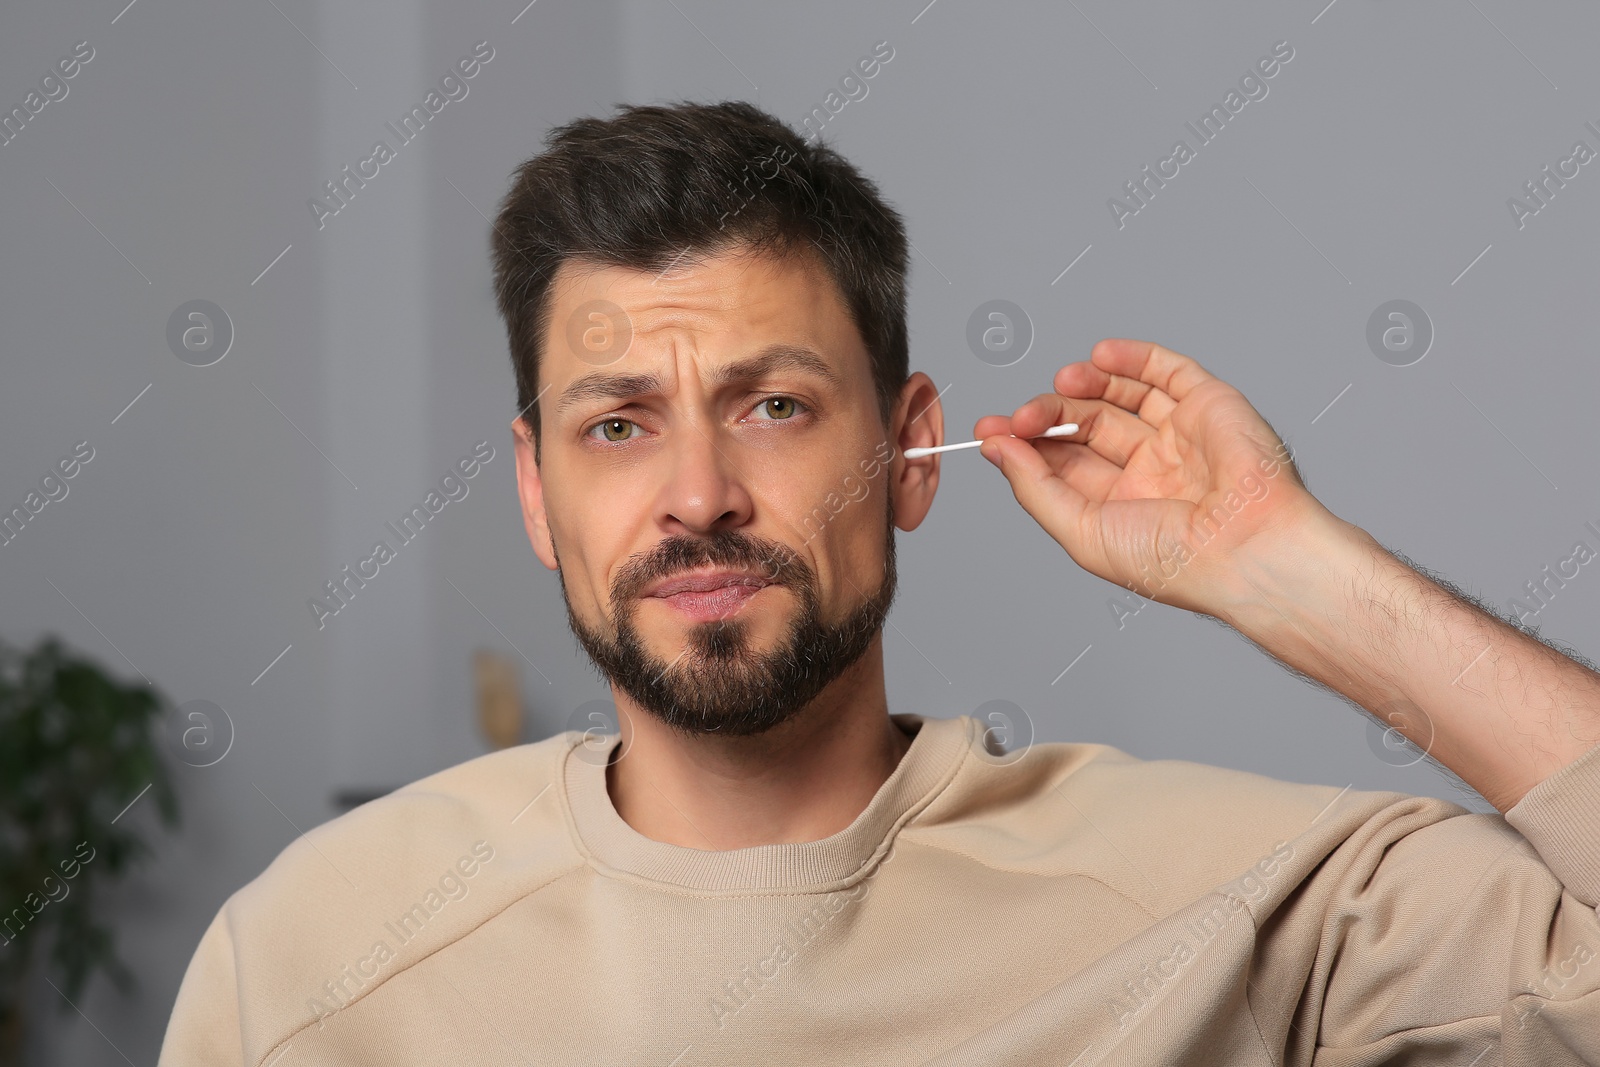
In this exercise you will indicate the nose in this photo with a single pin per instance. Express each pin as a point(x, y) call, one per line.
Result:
point(705, 491)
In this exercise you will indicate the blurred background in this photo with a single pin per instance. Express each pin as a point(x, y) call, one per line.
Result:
point(1346, 247)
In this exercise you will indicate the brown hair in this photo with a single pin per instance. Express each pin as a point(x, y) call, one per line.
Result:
point(655, 183)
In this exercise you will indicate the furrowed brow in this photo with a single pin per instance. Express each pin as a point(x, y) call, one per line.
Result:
point(606, 387)
point(770, 360)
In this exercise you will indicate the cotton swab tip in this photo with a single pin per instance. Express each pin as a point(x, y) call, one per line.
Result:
point(1063, 430)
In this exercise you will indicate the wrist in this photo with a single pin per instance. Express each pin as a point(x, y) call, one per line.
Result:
point(1299, 588)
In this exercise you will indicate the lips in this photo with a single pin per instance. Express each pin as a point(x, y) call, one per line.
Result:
point(708, 596)
point(705, 582)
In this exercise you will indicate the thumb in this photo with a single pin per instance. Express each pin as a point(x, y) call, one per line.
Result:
point(1053, 503)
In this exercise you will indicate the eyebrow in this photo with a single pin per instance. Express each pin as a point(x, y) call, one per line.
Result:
point(770, 360)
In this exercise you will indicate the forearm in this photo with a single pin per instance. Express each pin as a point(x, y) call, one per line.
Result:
point(1497, 707)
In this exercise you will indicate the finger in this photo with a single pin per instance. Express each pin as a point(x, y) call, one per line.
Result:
point(1149, 363)
point(1106, 428)
point(992, 426)
point(1076, 462)
point(1053, 503)
point(1033, 417)
point(1084, 379)
point(1081, 467)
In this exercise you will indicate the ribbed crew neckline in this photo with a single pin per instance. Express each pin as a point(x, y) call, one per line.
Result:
point(937, 748)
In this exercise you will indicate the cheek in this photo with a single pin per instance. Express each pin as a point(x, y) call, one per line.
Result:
point(829, 511)
point(594, 533)
point(848, 557)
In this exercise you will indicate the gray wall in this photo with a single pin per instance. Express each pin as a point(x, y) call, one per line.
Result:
point(368, 359)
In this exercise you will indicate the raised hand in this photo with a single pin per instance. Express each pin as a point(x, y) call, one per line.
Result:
point(1171, 482)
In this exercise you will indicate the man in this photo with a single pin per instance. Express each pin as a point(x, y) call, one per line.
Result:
point(763, 864)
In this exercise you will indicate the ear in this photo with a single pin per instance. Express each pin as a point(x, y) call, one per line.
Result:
point(918, 423)
point(530, 487)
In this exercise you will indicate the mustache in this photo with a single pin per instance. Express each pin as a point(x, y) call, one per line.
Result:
point(772, 560)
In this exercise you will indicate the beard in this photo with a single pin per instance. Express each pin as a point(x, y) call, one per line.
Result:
point(720, 684)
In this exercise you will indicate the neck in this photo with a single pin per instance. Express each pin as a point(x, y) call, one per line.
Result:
point(803, 780)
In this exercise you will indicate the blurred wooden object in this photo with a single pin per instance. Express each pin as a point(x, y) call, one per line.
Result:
point(499, 698)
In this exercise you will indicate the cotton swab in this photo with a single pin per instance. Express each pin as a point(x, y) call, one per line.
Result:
point(1055, 431)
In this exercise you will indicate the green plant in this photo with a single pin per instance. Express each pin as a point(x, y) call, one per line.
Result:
point(76, 746)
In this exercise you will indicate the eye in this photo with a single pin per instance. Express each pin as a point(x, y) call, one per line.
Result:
point(614, 430)
point(776, 408)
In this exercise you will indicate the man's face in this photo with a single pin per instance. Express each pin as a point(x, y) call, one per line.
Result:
point(714, 484)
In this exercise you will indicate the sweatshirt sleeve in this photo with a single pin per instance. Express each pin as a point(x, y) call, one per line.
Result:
point(1560, 817)
point(204, 1030)
point(1473, 939)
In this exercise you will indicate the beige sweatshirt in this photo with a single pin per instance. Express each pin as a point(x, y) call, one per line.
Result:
point(1072, 906)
